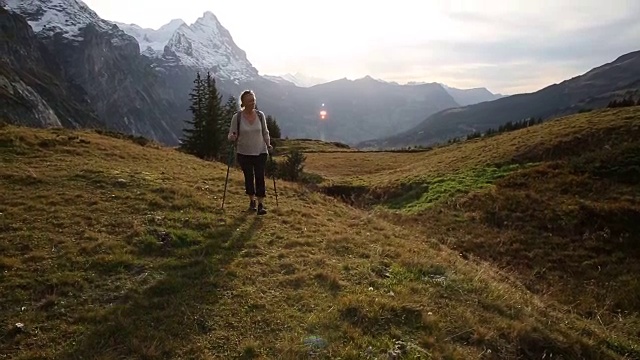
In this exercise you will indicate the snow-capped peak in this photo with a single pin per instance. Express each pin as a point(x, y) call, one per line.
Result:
point(303, 80)
point(204, 45)
point(67, 17)
point(152, 41)
point(210, 17)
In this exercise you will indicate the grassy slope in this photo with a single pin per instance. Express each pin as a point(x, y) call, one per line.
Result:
point(558, 205)
point(114, 250)
point(386, 172)
point(310, 145)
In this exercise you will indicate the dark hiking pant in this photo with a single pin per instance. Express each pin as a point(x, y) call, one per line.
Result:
point(253, 167)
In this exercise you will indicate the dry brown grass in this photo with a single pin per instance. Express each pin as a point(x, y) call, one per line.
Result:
point(114, 250)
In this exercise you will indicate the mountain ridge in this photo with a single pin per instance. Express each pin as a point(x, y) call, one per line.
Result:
point(65, 17)
point(137, 89)
point(592, 89)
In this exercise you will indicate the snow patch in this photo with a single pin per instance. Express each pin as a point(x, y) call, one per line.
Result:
point(68, 17)
point(152, 42)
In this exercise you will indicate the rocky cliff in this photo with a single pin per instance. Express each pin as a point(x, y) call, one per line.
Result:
point(33, 90)
point(120, 84)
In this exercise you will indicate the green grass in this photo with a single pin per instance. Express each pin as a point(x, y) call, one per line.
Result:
point(424, 193)
point(114, 248)
point(310, 146)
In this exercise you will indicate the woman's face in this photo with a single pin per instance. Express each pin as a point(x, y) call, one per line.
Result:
point(249, 101)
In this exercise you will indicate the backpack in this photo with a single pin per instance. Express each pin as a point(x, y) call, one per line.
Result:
point(239, 113)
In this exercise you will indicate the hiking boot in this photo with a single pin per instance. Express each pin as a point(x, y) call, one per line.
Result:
point(261, 209)
point(252, 205)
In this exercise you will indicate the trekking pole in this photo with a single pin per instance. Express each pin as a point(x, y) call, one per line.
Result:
point(273, 176)
point(224, 195)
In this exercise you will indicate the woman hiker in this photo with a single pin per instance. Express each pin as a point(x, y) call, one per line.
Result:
point(249, 131)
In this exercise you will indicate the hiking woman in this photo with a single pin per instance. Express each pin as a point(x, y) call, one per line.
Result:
point(249, 132)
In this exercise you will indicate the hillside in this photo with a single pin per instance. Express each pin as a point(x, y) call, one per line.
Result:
point(591, 90)
point(388, 171)
point(556, 205)
point(112, 248)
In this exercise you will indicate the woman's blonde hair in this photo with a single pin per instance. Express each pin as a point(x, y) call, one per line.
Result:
point(246, 92)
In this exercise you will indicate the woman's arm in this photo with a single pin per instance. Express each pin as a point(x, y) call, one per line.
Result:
point(265, 131)
point(232, 128)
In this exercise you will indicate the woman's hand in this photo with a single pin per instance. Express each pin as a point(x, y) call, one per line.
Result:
point(232, 136)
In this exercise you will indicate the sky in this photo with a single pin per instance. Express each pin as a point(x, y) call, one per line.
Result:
point(507, 46)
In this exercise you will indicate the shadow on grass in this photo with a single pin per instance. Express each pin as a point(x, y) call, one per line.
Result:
point(161, 320)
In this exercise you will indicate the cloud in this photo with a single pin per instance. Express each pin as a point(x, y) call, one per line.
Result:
point(506, 46)
point(531, 55)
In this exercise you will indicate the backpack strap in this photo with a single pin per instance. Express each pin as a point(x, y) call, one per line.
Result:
point(260, 115)
point(239, 116)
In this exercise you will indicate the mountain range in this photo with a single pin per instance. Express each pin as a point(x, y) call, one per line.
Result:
point(65, 66)
point(298, 79)
point(594, 89)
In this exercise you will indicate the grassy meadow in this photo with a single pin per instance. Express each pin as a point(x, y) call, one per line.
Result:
point(518, 246)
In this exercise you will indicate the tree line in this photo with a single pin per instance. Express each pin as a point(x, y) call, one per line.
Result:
point(625, 102)
point(506, 127)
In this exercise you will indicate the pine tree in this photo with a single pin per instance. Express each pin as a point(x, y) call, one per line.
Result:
point(274, 129)
point(204, 138)
point(229, 109)
point(191, 140)
point(628, 101)
point(293, 165)
point(212, 130)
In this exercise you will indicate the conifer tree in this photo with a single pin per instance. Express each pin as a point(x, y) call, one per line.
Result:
point(190, 142)
point(204, 138)
point(274, 129)
point(212, 136)
point(229, 109)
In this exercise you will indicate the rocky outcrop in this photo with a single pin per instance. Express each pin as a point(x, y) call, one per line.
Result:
point(121, 84)
point(20, 104)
